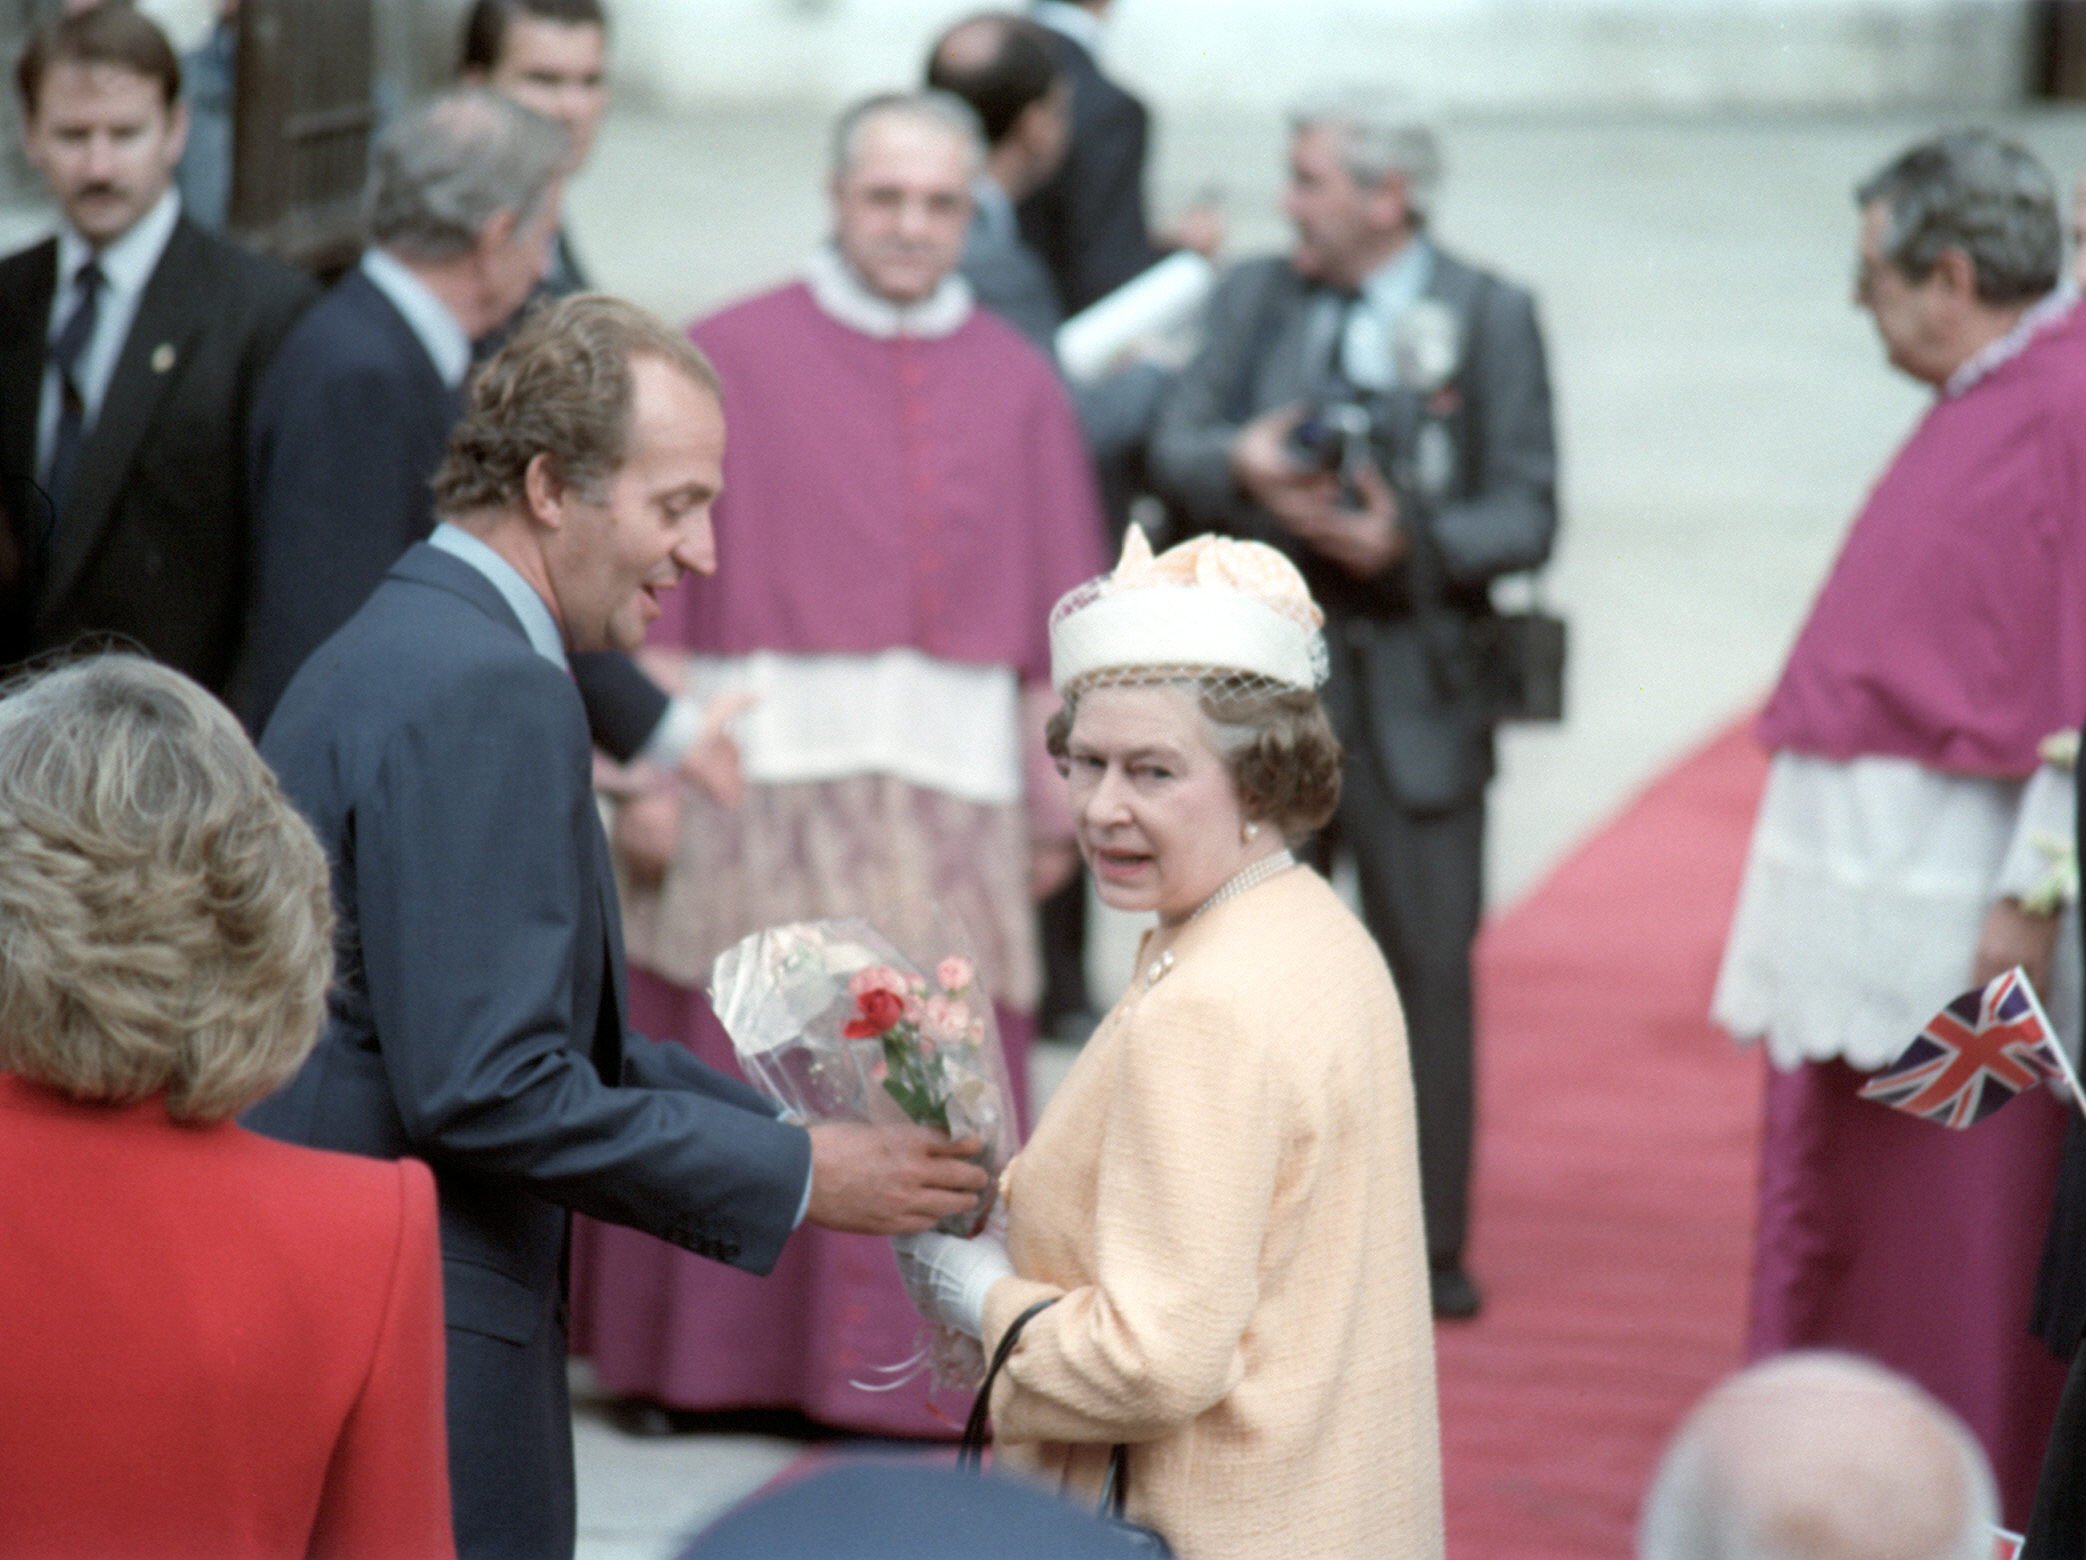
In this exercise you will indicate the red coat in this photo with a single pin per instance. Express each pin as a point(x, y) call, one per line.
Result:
point(212, 1344)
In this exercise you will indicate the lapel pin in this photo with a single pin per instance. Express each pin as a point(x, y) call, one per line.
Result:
point(162, 357)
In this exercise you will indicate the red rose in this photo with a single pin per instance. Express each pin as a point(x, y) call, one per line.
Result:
point(881, 1010)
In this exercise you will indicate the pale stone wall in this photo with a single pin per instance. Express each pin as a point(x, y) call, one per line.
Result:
point(184, 20)
point(1256, 54)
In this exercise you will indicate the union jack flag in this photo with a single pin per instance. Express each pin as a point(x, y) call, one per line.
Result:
point(1974, 1055)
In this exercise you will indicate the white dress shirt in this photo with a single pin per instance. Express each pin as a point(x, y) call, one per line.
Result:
point(1368, 358)
point(537, 620)
point(439, 332)
point(126, 266)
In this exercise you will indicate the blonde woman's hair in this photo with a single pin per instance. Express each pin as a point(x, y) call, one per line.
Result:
point(165, 918)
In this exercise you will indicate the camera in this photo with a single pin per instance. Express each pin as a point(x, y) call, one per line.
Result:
point(1335, 437)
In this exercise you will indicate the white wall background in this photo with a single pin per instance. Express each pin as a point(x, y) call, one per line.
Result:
point(1257, 54)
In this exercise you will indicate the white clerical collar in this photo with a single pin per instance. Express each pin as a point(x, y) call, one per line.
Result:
point(127, 264)
point(840, 293)
point(534, 612)
point(1987, 359)
point(440, 333)
point(1071, 21)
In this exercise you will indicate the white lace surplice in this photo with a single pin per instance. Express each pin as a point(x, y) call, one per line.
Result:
point(1865, 889)
point(879, 785)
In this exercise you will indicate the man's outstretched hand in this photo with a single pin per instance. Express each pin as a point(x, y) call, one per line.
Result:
point(889, 1180)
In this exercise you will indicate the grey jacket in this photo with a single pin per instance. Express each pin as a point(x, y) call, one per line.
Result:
point(1409, 683)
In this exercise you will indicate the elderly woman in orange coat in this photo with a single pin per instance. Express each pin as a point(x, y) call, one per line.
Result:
point(1219, 1211)
point(215, 1345)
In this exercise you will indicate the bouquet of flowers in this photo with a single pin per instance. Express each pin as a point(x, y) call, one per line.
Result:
point(833, 1022)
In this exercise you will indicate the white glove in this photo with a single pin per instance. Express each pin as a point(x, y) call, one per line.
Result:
point(950, 1278)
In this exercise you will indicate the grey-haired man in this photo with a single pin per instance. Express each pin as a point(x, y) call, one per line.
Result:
point(462, 205)
point(1445, 363)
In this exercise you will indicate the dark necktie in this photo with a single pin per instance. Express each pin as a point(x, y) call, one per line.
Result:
point(71, 341)
point(1345, 306)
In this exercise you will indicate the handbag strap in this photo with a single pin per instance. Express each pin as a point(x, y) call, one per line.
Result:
point(970, 1451)
point(1115, 1485)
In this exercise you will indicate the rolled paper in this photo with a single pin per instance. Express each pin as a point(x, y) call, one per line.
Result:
point(1156, 301)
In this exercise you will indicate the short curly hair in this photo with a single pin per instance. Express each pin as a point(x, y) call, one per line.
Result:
point(165, 918)
point(1277, 745)
point(561, 388)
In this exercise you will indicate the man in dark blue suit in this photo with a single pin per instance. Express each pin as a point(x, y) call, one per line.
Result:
point(355, 412)
point(439, 748)
point(1005, 70)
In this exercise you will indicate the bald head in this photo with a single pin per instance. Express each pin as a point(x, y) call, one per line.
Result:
point(972, 44)
point(1820, 1457)
point(1002, 67)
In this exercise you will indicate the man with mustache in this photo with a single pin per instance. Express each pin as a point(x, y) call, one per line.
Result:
point(131, 346)
point(906, 495)
point(439, 748)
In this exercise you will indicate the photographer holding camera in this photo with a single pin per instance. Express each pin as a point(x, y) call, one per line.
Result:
point(1381, 411)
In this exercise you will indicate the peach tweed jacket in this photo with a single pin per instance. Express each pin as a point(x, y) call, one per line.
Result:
point(1225, 1195)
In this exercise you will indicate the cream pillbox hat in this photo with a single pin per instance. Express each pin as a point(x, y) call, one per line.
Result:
point(1212, 608)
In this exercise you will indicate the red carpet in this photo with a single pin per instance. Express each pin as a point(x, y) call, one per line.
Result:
point(1614, 1194)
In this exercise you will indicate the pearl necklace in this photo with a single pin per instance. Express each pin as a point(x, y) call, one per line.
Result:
point(1250, 876)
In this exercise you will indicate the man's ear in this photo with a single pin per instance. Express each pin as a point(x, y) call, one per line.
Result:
point(1957, 273)
point(177, 126)
point(546, 494)
point(1032, 125)
point(27, 138)
point(497, 233)
point(1390, 201)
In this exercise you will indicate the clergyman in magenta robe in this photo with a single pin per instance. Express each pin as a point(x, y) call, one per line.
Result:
point(906, 495)
point(1896, 859)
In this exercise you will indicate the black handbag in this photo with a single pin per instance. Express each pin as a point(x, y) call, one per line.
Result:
point(1115, 1488)
point(1523, 655)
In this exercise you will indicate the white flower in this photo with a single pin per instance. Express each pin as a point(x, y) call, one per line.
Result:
point(1427, 345)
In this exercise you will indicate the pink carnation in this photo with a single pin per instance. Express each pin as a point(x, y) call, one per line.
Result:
point(875, 977)
point(947, 1021)
point(954, 973)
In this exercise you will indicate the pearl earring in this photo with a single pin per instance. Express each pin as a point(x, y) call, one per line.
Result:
point(1251, 832)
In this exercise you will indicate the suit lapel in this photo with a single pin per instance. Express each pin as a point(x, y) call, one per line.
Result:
point(1288, 375)
point(432, 566)
point(170, 316)
point(25, 312)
